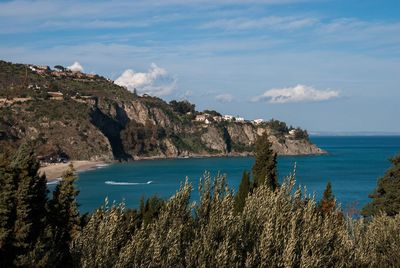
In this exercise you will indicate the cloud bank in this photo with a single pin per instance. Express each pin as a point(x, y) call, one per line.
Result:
point(76, 67)
point(299, 93)
point(224, 98)
point(156, 81)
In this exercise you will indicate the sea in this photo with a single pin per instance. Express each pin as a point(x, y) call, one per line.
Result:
point(353, 165)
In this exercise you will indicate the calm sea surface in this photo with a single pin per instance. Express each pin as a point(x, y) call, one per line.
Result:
point(352, 165)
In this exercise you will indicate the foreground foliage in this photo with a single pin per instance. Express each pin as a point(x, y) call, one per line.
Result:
point(282, 228)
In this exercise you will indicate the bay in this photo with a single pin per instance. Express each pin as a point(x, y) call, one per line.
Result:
point(353, 166)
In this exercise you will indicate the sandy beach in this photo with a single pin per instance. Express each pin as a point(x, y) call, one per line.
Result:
point(54, 171)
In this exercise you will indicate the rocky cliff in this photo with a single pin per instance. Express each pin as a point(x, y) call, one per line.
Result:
point(78, 116)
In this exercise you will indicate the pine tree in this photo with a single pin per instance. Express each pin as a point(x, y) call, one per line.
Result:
point(30, 204)
point(264, 168)
point(63, 218)
point(7, 211)
point(243, 192)
point(328, 202)
point(386, 197)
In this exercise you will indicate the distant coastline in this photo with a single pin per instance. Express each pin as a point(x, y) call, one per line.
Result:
point(353, 134)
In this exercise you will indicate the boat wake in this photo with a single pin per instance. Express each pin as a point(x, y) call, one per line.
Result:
point(127, 183)
point(55, 181)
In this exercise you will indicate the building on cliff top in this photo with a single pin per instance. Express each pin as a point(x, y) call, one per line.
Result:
point(257, 121)
point(200, 118)
point(228, 117)
point(293, 132)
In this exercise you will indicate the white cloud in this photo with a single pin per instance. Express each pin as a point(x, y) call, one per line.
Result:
point(299, 93)
point(274, 22)
point(76, 67)
point(224, 98)
point(156, 81)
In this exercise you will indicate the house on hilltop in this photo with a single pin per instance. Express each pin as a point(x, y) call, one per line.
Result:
point(239, 119)
point(228, 117)
point(39, 69)
point(200, 118)
point(203, 118)
point(257, 121)
point(292, 132)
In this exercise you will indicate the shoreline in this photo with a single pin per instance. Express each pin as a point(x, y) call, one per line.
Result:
point(197, 156)
point(54, 171)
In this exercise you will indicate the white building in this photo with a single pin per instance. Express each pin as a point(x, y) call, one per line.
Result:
point(201, 118)
point(292, 132)
point(228, 117)
point(239, 119)
point(257, 121)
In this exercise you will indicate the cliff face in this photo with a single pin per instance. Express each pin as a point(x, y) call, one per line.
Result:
point(89, 117)
point(156, 132)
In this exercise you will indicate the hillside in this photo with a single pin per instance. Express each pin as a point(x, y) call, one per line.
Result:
point(87, 117)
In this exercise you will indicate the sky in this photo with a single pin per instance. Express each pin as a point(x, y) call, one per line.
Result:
point(322, 65)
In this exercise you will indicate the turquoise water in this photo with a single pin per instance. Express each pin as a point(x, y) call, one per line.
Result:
point(352, 165)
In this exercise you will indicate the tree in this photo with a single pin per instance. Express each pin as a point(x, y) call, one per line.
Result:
point(182, 107)
point(7, 211)
point(30, 205)
point(63, 218)
point(264, 168)
point(328, 203)
point(59, 68)
point(278, 126)
point(212, 112)
point(243, 192)
point(386, 197)
point(151, 209)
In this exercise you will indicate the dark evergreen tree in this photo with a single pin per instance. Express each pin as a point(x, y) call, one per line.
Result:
point(386, 197)
point(152, 209)
point(243, 192)
point(64, 218)
point(7, 211)
point(30, 204)
point(182, 107)
point(264, 168)
point(328, 202)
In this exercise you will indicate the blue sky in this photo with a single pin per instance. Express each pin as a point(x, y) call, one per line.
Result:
point(322, 65)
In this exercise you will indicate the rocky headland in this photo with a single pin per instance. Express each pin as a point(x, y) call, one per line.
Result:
point(76, 116)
